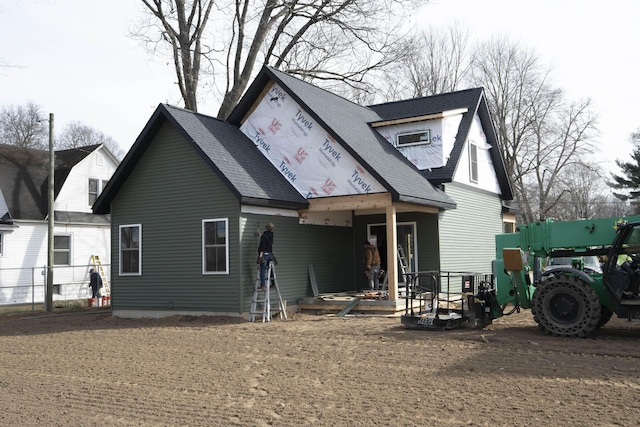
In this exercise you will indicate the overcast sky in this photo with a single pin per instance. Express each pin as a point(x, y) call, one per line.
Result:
point(76, 60)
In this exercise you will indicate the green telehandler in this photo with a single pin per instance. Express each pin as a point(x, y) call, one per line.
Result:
point(568, 300)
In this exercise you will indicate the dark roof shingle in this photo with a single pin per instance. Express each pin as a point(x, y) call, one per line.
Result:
point(24, 176)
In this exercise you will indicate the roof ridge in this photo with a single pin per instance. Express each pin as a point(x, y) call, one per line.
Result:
point(196, 113)
point(417, 98)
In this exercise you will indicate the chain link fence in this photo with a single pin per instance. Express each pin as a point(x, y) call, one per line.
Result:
point(27, 285)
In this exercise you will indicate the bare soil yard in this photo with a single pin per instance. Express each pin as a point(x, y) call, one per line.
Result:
point(90, 369)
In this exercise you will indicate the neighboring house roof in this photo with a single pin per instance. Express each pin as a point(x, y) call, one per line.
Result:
point(473, 101)
point(24, 178)
point(229, 153)
point(349, 125)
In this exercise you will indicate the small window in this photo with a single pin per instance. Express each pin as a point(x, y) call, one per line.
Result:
point(131, 250)
point(1, 244)
point(61, 250)
point(414, 138)
point(93, 190)
point(509, 227)
point(473, 162)
point(215, 249)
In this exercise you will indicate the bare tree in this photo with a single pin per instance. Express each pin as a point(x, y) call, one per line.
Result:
point(181, 24)
point(584, 193)
point(76, 134)
point(435, 61)
point(323, 40)
point(540, 133)
point(23, 125)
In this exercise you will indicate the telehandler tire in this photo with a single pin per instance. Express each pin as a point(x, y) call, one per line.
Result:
point(605, 316)
point(565, 306)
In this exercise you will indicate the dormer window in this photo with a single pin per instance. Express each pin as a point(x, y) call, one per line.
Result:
point(422, 137)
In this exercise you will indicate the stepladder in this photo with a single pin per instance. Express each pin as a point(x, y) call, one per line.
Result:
point(404, 269)
point(262, 302)
point(97, 264)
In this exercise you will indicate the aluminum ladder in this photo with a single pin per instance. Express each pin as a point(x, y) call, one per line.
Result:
point(261, 301)
point(404, 268)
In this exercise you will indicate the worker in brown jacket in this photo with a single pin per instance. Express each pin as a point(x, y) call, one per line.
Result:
point(372, 265)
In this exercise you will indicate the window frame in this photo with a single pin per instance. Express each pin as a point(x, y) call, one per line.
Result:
point(128, 273)
point(1, 243)
point(473, 163)
point(100, 185)
point(411, 144)
point(205, 246)
point(68, 251)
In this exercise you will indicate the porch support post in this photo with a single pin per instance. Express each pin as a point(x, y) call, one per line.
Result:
point(392, 251)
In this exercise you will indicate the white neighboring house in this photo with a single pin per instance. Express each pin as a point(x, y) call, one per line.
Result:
point(80, 175)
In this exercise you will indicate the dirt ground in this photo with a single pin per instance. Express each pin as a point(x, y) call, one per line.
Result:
point(88, 368)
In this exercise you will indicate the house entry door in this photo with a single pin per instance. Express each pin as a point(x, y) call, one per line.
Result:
point(406, 231)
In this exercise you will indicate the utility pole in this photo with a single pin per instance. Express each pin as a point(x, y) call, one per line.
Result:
point(48, 302)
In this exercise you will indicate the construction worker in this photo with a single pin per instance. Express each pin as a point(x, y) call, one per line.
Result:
point(265, 254)
point(95, 282)
point(372, 265)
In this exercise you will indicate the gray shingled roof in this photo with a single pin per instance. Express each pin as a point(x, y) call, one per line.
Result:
point(24, 177)
point(471, 99)
point(229, 153)
point(349, 124)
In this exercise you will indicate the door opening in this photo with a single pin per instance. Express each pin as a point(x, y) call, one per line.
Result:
point(406, 231)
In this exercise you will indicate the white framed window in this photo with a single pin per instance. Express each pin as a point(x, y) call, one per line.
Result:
point(215, 246)
point(422, 137)
point(95, 187)
point(473, 162)
point(130, 252)
point(62, 249)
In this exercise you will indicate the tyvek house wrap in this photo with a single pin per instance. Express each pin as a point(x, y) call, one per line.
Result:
point(430, 154)
point(313, 162)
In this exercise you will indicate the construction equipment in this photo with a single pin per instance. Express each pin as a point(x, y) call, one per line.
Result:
point(569, 300)
point(442, 300)
point(261, 301)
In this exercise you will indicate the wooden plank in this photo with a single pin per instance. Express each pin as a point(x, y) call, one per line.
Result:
point(312, 279)
point(348, 203)
point(349, 307)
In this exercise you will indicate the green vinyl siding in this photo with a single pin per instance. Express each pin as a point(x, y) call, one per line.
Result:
point(329, 249)
point(427, 238)
point(427, 230)
point(467, 233)
point(170, 191)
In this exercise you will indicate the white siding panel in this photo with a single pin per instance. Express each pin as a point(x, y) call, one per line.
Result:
point(25, 254)
point(74, 195)
point(467, 234)
point(487, 179)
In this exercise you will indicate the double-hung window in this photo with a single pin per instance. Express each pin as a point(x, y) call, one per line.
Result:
point(473, 162)
point(61, 250)
point(215, 246)
point(95, 188)
point(130, 250)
